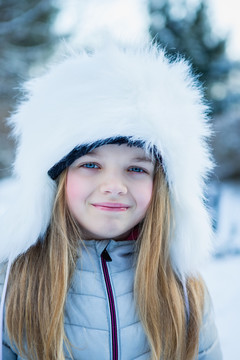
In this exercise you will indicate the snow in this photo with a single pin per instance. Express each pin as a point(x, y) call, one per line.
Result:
point(222, 278)
point(222, 272)
point(228, 229)
point(91, 22)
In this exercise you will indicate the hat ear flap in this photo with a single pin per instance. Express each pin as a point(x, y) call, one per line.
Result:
point(189, 246)
point(26, 217)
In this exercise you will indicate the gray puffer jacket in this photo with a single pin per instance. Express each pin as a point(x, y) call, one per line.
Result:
point(101, 321)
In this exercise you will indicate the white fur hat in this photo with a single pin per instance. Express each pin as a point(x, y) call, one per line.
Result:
point(112, 92)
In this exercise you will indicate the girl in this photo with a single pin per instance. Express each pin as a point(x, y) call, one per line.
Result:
point(107, 227)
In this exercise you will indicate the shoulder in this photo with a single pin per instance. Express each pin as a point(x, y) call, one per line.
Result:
point(209, 346)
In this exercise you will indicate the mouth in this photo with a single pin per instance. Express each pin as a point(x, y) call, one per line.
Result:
point(107, 206)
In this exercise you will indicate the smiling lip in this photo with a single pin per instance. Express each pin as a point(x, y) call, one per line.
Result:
point(107, 206)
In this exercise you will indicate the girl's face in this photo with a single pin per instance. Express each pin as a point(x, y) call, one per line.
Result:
point(109, 190)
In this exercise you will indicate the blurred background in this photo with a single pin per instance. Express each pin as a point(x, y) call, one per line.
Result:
point(207, 32)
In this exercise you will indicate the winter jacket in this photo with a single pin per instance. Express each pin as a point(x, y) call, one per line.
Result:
point(101, 320)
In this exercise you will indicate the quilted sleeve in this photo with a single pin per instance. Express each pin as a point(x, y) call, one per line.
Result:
point(209, 346)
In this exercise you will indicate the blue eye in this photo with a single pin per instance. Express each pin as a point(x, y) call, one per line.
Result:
point(90, 166)
point(136, 169)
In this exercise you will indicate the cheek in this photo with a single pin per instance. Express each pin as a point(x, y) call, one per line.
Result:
point(74, 189)
point(144, 195)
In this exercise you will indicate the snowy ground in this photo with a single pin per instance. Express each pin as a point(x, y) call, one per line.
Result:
point(222, 278)
point(221, 274)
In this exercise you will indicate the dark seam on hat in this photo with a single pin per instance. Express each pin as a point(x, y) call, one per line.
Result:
point(84, 149)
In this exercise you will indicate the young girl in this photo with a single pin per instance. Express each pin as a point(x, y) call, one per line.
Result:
point(107, 227)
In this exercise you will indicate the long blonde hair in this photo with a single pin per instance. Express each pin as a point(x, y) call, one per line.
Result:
point(40, 279)
point(159, 291)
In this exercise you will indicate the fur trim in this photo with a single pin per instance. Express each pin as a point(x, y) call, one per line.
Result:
point(113, 92)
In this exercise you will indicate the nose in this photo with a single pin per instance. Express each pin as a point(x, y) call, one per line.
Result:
point(114, 185)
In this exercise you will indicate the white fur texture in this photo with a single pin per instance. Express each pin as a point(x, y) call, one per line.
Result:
point(112, 92)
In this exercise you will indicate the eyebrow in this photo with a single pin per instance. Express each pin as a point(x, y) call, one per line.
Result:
point(92, 152)
point(142, 159)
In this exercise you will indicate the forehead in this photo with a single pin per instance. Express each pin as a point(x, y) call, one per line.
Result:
point(122, 150)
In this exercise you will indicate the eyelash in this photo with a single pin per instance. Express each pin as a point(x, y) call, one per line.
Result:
point(133, 169)
point(142, 171)
point(89, 167)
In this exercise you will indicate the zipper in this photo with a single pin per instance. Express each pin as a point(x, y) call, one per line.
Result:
point(105, 257)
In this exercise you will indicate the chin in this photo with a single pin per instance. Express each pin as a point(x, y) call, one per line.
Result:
point(111, 235)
